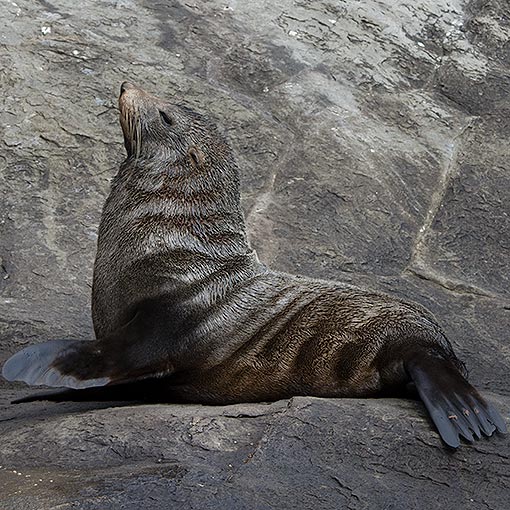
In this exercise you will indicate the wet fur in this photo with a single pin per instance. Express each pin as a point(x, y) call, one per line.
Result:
point(178, 293)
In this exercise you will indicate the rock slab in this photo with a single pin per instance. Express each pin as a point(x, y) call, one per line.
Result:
point(373, 144)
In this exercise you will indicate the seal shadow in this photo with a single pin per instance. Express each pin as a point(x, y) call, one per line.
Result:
point(145, 392)
point(69, 401)
point(148, 391)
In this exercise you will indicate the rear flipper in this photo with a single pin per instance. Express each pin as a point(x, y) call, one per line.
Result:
point(135, 351)
point(456, 407)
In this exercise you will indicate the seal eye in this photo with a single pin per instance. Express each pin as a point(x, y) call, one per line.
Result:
point(165, 118)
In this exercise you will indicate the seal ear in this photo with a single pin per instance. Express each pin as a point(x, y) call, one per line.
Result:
point(196, 156)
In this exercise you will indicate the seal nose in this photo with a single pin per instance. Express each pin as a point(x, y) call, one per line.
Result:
point(126, 86)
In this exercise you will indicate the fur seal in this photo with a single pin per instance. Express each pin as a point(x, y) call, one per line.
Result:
point(180, 298)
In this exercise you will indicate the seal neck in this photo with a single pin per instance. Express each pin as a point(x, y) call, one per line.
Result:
point(175, 208)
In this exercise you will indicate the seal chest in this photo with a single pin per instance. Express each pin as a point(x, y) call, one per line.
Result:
point(179, 297)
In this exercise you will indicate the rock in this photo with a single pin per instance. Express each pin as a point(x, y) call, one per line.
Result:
point(372, 139)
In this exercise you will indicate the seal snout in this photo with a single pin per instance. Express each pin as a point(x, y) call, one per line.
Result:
point(126, 85)
point(130, 103)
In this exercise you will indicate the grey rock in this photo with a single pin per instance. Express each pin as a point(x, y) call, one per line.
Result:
point(373, 143)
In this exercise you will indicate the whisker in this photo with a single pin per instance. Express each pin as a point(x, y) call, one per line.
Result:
point(131, 123)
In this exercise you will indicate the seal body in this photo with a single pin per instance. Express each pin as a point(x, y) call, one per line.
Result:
point(179, 296)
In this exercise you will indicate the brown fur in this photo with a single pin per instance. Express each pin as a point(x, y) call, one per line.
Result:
point(172, 226)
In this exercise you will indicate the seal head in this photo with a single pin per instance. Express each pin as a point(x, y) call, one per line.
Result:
point(157, 129)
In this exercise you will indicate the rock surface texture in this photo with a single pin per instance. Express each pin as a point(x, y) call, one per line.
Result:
point(373, 143)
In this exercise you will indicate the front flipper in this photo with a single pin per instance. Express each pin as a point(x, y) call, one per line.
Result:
point(133, 352)
point(456, 407)
point(41, 364)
